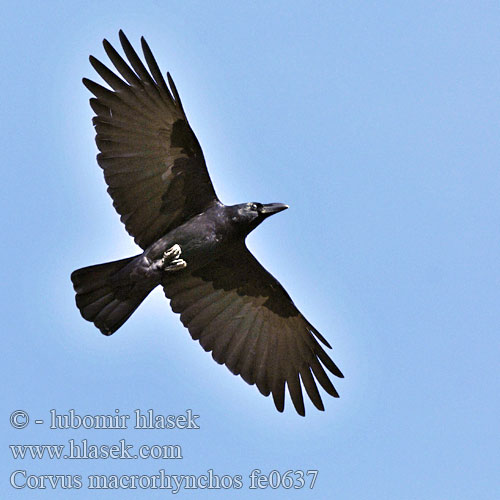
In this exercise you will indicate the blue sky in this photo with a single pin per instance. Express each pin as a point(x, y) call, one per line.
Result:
point(379, 126)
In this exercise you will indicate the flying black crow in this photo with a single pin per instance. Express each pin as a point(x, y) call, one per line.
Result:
point(193, 245)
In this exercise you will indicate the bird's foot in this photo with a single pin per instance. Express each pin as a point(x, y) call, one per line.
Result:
point(174, 252)
point(171, 261)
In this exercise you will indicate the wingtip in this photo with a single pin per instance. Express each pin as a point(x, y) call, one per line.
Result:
point(318, 335)
point(173, 88)
point(123, 38)
point(318, 404)
point(144, 45)
point(333, 368)
point(279, 401)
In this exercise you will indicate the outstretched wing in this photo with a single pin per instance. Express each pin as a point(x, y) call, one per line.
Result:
point(241, 313)
point(152, 161)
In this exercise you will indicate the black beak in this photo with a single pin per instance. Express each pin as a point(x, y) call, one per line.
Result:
point(273, 208)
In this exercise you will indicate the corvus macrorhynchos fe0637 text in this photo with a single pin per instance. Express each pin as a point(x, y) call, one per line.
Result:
point(194, 246)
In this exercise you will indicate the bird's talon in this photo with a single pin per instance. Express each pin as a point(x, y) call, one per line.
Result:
point(174, 252)
point(176, 265)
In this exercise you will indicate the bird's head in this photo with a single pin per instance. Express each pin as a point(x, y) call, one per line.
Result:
point(249, 215)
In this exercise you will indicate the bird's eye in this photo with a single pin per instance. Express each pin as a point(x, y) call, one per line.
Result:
point(254, 207)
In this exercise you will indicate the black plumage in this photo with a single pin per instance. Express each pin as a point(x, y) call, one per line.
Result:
point(193, 245)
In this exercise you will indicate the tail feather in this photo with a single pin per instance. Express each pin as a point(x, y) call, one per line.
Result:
point(102, 300)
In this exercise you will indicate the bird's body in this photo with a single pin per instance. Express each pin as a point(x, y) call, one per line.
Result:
point(193, 245)
point(202, 238)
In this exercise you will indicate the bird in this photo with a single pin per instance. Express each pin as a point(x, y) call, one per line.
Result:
point(192, 244)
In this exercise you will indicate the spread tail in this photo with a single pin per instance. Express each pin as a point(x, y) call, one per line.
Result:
point(106, 302)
